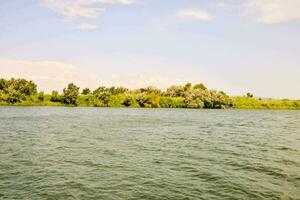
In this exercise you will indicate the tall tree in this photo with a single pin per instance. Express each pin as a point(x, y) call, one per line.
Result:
point(86, 91)
point(71, 94)
point(2, 83)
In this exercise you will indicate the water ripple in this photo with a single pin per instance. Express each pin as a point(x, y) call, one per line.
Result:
point(107, 153)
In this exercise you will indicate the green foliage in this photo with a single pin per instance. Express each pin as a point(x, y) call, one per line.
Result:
point(55, 97)
point(249, 95)
point(172, 102)
point(116, 90)
point(148, 100)
point(116, 100)
point(194, 99)
point(2, 83)
point(151, 90)
point(175, 91)
point(71, 94)
point(86, 100)
point(16, 90)
point(200, 86)
point(130, 101)
point(86, 91)
point(41, 96)
point(24, 93)
point(187, 87)
point(253, 103)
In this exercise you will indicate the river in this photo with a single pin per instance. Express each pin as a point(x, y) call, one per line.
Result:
point(122, 153)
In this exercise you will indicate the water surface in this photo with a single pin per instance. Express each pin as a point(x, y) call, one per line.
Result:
point(111, 153)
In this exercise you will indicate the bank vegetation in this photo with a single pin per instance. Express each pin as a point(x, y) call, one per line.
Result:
point(24, 93)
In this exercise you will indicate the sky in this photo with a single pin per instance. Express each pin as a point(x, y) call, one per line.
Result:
point(236, 46)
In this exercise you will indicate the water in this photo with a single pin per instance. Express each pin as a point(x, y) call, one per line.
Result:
point(111, 153)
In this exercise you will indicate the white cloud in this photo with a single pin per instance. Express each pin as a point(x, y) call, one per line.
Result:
point(48, 75)
point(143, 80)
point(52, 75)
point(72, 10)
point(86, 26)
point(193, 15)
point(184, 15)
point(274, 11)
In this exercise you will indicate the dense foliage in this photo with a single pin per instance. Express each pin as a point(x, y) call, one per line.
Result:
point(24, 92)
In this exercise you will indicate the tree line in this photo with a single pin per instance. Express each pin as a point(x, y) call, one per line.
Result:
point(24, 92)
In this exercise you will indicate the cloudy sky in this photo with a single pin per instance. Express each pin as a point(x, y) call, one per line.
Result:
point(237, 46)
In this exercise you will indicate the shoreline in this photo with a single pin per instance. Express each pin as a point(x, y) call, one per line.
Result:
point(71, 106)
point(22, 92)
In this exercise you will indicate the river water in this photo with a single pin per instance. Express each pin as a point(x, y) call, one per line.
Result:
point(112, 153)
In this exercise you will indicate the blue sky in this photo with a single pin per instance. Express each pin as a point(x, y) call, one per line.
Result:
point(237, 46)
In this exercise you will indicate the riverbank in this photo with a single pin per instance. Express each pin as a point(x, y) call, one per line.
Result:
point(21, 92)
point(241, 103)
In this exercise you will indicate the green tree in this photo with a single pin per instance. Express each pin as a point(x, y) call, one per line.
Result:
point(2, 83)
point(99, 90)
point(194, 99)
point(116, 100)
point(151, 89)
point(41, 96)
point(130, 101)
point(17, 90)
point(86, 91)
point(117, 90)
point(23, 86)
point(200, 86)
point(55, 97)
point(249, 95)
point(71, 94)
point(187, 86)
point(172, 102)
point(175, 91)
point(149, 100)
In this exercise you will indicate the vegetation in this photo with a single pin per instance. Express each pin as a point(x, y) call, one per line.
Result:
point(24, 92)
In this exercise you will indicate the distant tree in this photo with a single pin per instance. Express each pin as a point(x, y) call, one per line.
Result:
point(71, 94)
point(117, 90)
point(2, 83)
point(130, 101)
point(151, 89)
point(41, 96)
point(99, 90)
point(116, 100)
point(200, 86)
point(148, 100)
point(194, 99)
point(223, 93)
point(22, 86)
point(198, 96)
point(175, 91)
point(55, 96)
point(187, 86)
point(249, 95)
point(101, 96)
point(16, 90)
point(14, 96)
point(86, 91)
point(172, 102)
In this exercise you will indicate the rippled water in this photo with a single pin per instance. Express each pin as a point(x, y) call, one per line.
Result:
point(110, 153)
